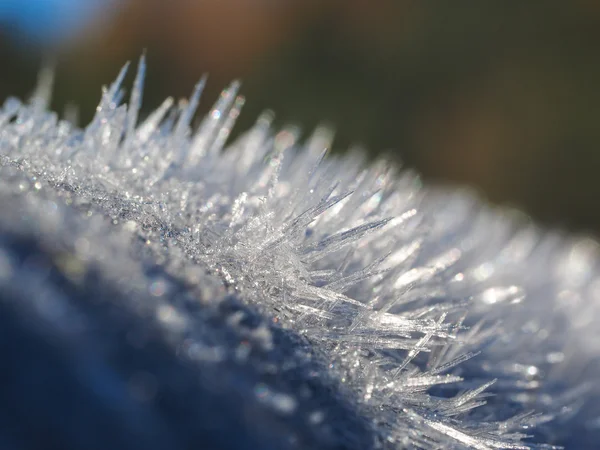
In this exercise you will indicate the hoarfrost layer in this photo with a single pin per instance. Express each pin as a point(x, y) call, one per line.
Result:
point(423, 301)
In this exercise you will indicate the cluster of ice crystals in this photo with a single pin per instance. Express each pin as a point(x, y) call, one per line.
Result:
point(423, 301)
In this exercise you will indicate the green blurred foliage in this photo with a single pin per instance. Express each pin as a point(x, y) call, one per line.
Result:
point(500, 95)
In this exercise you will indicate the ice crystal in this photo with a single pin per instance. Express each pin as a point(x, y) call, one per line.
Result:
point(449, 322)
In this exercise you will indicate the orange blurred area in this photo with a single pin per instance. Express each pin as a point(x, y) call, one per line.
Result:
point(503, 96)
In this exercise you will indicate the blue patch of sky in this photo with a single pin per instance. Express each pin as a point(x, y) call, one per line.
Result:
point(49, 19)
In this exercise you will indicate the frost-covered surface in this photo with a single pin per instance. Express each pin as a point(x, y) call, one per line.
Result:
point(102, 350)
point(422, 302)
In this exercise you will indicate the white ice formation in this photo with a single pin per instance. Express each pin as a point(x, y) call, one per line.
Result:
point(450, 322)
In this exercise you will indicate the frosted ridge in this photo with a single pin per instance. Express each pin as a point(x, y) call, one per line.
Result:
point(424, 301)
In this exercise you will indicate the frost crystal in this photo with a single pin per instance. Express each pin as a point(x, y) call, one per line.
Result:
point(448, 322)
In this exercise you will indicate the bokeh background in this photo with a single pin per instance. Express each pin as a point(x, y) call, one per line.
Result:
point(503, 96)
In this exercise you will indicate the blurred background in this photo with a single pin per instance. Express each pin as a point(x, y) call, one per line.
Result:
point(503, 95)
